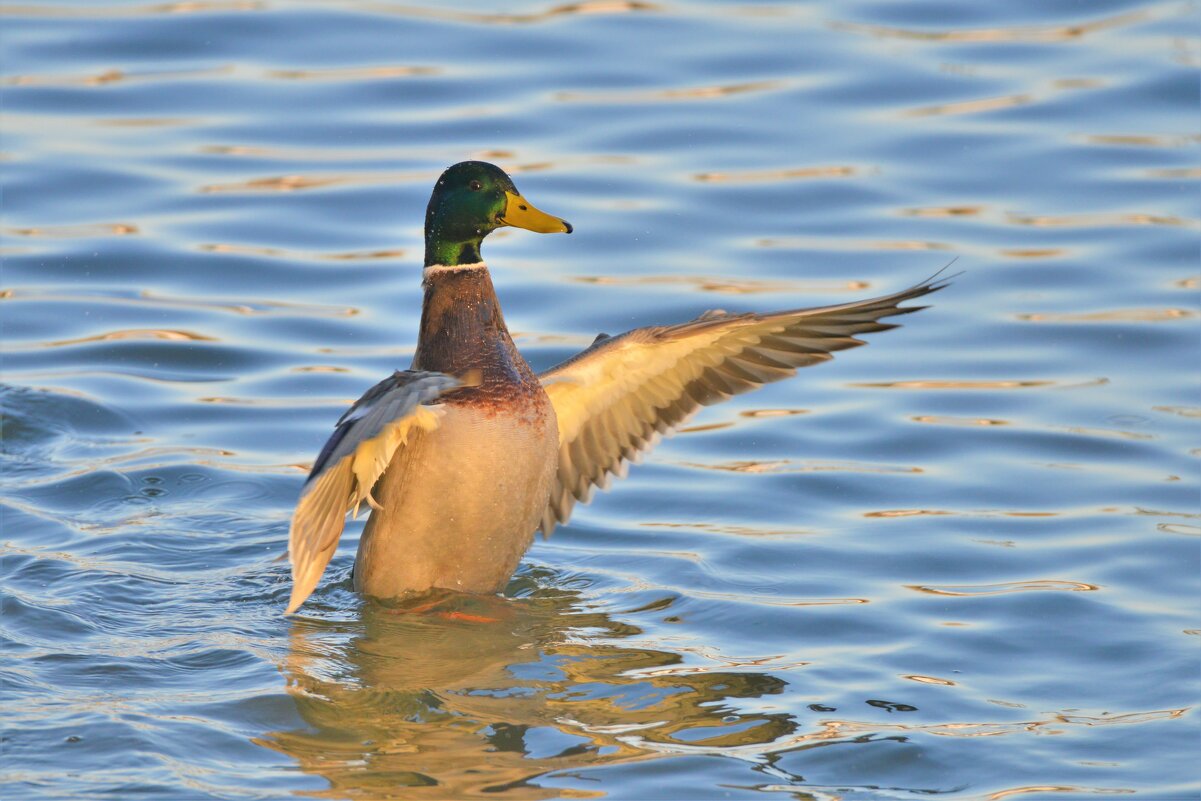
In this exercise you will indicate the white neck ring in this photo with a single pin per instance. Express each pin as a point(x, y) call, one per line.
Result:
point(439, 269)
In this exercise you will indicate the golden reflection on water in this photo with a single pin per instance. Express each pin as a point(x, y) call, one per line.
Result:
point(395, 704)
point(1174, 172)
point(76, 231)
point(796, 173)
point(114, 76)
point(889, 513)
point(736, 530)
point(1057, 788)
point(1100, 220)
point(756, 413)
point(153, 299)
point(790, 466)
point(845, 243)
point(373, 350)
point(578, 341)
point(281, 253)
point(723, 285)
point(1114, 316)
point(980, 105)
point(998, 543)
point(162, 335)
point(1087, 220)
point(332, 152)
point(362, 6)
point(857, 731)
point(354, 73)
point(987, 385)
point(320, 368)
point(948, 420)
point(1086, 431)
point(307, 182)
point(1023, 33)
point(771, 600)
point(1105, 432)
point(300, 183)
point(185, 7)
point(111, 76)
point(929, 680)
point(677, 94)
point(1182, 411)
point(162, 456)
point(972, 106)
point(304, 402)
point(1006, 588)
point(1138, 510)
point(944, 211)
point(508, 159)
point(1143, 140)
point(1033, 253)
point(554, 12)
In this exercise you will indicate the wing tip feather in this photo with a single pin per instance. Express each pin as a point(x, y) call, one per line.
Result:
point(591, 457)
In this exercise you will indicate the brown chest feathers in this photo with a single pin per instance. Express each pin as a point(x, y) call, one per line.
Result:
point(463, 329)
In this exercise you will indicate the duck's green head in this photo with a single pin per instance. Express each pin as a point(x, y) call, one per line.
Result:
point(471, 200)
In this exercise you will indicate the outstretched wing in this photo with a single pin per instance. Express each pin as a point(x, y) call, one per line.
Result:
point(354, 457)
point(614, 399)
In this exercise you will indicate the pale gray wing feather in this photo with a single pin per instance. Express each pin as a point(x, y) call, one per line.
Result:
point(616, 398)
point(355, 456)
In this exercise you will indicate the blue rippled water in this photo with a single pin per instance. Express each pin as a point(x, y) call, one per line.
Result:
point(960, 563)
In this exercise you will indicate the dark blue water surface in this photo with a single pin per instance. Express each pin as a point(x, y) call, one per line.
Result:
point(960, 563)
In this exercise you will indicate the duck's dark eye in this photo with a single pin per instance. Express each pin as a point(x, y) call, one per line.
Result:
point(475, 186)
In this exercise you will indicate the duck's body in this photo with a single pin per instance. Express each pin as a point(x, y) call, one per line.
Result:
point(460, 503)
point(465, 455)
point(460, 506)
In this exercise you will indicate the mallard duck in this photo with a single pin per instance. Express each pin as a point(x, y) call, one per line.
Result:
point(463, 456)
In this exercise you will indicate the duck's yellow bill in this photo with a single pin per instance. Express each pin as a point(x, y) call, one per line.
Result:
point(520, 213)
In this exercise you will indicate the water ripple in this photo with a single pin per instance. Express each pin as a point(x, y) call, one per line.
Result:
point(716, 92)
point(154, 299)
point(1041, 585)
point(149, 9)
point(1041, 34)
point(87, 231)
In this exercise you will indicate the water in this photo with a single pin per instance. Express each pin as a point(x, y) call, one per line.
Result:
point(961, 562)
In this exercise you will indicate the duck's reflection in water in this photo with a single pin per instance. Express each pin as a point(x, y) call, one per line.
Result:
point(397, 703)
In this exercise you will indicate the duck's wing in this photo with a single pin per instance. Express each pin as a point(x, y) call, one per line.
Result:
point(354, 457)
point(614, 399)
